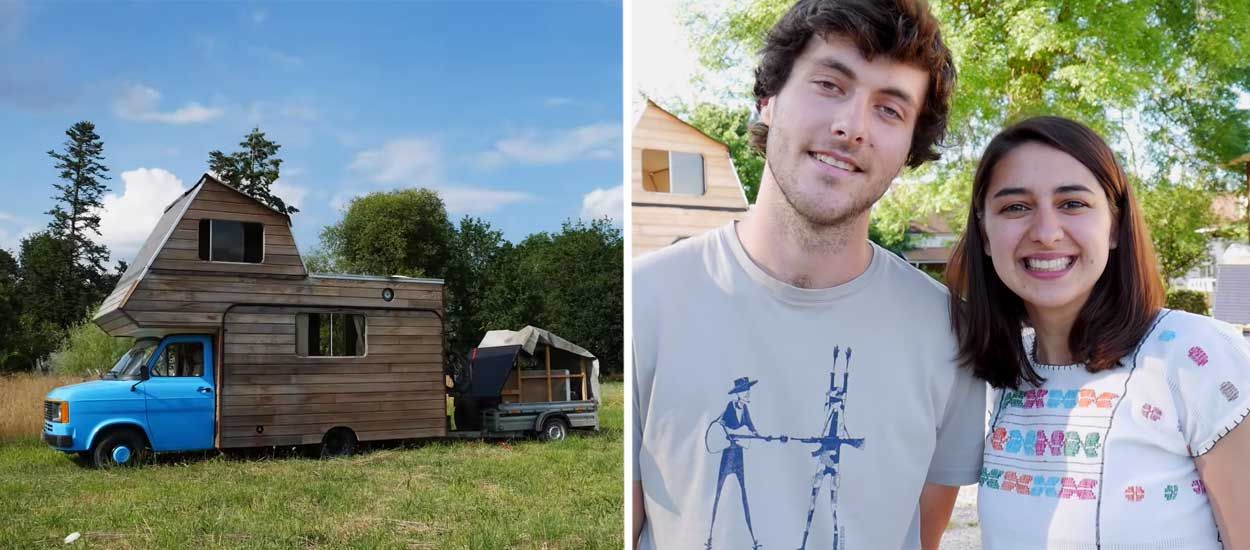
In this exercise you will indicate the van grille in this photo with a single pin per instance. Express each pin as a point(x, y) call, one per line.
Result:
point(50, 410)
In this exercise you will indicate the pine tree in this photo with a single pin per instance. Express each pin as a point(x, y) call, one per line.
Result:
point(252, 170)
point(74, 217)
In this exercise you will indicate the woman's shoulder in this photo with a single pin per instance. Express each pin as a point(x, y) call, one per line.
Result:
point(1173, 324)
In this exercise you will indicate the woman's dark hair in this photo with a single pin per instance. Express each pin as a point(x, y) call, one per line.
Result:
point(901, 30)
point(988, 317)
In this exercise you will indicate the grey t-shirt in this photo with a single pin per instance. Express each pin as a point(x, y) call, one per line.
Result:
point(770, 414)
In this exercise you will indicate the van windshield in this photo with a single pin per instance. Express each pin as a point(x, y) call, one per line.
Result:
point(128, 366)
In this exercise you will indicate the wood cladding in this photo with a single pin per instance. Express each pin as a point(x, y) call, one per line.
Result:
point(270, 396)
point(660, 219)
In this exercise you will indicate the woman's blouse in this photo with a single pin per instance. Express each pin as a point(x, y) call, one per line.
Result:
point(1106, 460)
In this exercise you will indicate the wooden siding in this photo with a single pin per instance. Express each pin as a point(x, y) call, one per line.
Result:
point(218, 202)
point(181, 300)
point(659, 219)
point(659, 130)
point(271, 396)
point(655, 227)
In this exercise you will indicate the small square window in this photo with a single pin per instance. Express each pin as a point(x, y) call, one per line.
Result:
point(329, 335)
point(231, 241)
point(672, 172)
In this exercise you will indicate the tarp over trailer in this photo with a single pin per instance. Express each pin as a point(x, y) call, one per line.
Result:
point(529, 338)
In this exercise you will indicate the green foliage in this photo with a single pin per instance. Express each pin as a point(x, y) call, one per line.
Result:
point(402, 232)
point(1192, 301)
point(569, 283)
point(76, 212)
point(1175, 214)
point(252, 170)
point(88, 351)
point(731, 127)
point(475, 250)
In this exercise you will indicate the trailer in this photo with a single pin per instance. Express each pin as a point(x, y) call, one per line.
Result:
point(238, 345)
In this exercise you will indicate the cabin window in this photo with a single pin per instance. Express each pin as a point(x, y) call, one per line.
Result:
point(329, 335)
point(180, 359)
point(231, 241)
point(672, 172)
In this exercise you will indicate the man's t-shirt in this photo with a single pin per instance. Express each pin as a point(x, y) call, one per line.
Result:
point(760, 407)
point(1105, 460)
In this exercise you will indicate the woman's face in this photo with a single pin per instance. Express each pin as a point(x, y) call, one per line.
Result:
point(1048, 228)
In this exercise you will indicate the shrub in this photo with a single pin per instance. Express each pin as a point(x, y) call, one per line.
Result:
point(88, 351)
point(1192, 301)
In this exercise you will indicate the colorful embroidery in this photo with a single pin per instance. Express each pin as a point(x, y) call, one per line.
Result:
point(1167, 336)
point(1135, 493)
point(1035, 442)
point(1039, 486)
point(1170, 491)
point(1198, 487)
point(1198, 356)
point(1229, 390)
point(1152, 412)
point(1058, 399)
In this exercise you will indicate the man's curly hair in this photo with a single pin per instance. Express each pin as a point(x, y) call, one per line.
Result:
point(901, 30)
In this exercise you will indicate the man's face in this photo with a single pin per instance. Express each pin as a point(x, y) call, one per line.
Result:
point(840, 129)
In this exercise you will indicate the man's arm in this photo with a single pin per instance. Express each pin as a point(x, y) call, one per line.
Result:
point(936, 504)
point(639, 513)
point(1223, 472)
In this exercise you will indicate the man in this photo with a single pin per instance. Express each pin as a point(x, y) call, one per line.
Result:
point(848, 91)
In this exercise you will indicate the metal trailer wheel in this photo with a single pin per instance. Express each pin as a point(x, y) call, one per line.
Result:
point(338, 442)
point(554, 429)
point(119, 449)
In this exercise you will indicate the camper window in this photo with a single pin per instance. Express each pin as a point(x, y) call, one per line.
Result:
point(231, 241)
point(672, 172)
point(329, 335)
point(180, 359)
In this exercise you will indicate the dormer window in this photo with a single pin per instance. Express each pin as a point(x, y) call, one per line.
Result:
point(232, 241)
point(672, 172)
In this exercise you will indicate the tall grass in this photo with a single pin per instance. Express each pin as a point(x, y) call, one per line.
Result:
point(21, 402)
point(424, 495)
point(88, 351)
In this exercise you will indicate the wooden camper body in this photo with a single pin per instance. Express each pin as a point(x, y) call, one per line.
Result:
point(266, 393)
point(661, 219)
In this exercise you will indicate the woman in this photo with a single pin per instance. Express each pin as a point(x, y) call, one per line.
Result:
point(1117, 422)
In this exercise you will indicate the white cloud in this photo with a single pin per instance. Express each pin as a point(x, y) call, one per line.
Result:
point(128, 218)
point(557, 101)
point(553, 147)
point(290, 193)
point(259, 16)
point(139, 102)
point(471, 200)
point(7, 217)
point(276, 57)
point(604, 202)
point(400, 160)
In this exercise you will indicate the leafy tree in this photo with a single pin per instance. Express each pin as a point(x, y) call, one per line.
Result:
point(88, 350)
point(569, 283)
point(1176, 214)
point(475, 250)
point(402, 232)
point(75, 215)
point(730, 126)
point(252, 170)
point(8, 307)
point(1192, 301)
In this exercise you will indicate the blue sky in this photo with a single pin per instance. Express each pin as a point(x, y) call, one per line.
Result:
point(511, 110)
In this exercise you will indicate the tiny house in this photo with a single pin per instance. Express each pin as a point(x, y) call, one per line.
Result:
point(683, 182)
point(237, 345)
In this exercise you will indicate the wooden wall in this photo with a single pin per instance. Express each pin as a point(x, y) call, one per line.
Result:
point(661, 218)
point(395, 391)
point(219, 202)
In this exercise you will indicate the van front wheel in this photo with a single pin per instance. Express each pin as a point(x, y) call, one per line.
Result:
point(119, 449)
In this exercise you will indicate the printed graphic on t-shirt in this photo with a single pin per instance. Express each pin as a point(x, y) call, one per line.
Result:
point(731, 433)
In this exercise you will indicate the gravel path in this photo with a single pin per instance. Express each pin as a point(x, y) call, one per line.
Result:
point(964, 532)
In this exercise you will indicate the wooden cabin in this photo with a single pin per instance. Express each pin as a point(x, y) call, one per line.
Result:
point(683, 182)
point(296, 353)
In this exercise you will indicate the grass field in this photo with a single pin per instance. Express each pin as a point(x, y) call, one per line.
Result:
point(465, 494)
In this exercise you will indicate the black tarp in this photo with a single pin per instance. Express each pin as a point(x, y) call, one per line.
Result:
point(490, 370)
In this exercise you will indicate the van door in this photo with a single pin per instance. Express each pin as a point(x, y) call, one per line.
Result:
point(180, 394)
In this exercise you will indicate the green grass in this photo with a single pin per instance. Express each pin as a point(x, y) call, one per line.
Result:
point(464, 494)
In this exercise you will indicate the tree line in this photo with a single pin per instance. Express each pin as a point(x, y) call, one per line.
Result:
point(568, 281)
